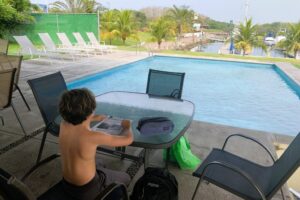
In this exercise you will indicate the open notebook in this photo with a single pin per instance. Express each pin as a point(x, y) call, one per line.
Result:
point(109, 125)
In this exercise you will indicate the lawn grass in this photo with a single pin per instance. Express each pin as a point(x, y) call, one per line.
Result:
point(292, 61)
point(143, 36)
point(13, 48)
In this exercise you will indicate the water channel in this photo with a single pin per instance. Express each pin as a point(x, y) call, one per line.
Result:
point(215, 46)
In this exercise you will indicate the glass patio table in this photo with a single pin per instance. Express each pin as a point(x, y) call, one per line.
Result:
point(134, 106)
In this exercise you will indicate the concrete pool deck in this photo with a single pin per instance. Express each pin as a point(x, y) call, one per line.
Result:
point(18, 153)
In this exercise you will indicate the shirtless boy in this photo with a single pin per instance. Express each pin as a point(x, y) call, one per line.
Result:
point(78, 145)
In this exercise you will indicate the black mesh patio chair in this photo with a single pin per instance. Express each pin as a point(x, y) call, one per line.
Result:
point(247, 179)
point(47, 91)
point(163, 83)
point(3, 46)
point(13, 189)
point(6, 89)
point(8, 62)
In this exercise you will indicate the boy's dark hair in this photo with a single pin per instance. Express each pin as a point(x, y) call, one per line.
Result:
point(76, 105)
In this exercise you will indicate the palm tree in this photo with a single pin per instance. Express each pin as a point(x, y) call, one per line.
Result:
point(107, 21)
point(75, 6)
point(124, 25)
point(160, 30)
point(292, 42)
point(247, 38)
point(181, 16)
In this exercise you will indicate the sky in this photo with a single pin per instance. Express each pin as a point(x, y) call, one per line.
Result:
point(261, 11)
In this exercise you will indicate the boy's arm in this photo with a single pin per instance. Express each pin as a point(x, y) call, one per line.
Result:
point(101, 138)
point(98, 118)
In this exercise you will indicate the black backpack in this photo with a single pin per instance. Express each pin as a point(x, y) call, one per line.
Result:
point(156, 184)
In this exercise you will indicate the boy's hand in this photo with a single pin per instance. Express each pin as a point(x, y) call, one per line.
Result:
point(126, 124)
point(99, 117)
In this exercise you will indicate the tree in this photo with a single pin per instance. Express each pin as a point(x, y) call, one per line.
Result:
point(140, 19)
point(181, 16)
point(247, 38)
point(124, 25)
point(107, 22)
point(292, 42)
point(275, 27)
point(160, 30)
point(13, 13)
point(153, 13)
point(75, 6)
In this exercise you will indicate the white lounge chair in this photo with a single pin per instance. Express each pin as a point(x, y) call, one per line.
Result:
point(51, 47)
point(81, 42)
point(94, 42)
point(27, 48)
point(66, 43)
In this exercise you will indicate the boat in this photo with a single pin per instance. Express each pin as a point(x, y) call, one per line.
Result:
point(270, 41)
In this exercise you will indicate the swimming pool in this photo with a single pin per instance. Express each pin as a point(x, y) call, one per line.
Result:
point(246, 95)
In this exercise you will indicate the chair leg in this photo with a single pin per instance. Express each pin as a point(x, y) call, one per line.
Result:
point(2, 120)
point(281, 191)
point(123, 149)
point(18, 117)
point(146, 158)
point(42, 145)
point(23, 97)
point(195, 192)
point(167, 157)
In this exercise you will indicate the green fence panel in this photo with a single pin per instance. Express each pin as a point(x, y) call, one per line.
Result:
point(54, 23)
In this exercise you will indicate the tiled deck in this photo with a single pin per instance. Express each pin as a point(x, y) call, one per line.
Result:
point(20, 156)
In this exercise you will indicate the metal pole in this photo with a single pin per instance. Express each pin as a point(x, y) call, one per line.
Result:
point(57, 26)
point(231, 36)
point(98, 30)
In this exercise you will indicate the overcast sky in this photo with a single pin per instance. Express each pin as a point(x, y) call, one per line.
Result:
point(262, 11)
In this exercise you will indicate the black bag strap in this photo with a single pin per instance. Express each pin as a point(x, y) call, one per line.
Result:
point(138, 187)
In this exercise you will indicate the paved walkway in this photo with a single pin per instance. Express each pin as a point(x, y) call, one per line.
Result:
point(18, 153)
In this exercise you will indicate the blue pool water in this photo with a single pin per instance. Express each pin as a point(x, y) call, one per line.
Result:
point(247, 95)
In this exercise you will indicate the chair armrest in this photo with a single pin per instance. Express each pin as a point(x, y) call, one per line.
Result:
point(237, 170)
point(46, 160)
point(113, 188)
point(251, 139)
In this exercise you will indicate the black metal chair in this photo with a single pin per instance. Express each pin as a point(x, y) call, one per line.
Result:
point(247, 179)
point(3, 46)
point(6, 89)
point(47, 91)
point(163, 83)
point(8, 62)
point(13, 189)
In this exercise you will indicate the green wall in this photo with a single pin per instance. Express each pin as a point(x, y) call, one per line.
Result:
point(53, 23)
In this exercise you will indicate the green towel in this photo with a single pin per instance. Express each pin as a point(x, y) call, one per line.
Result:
point(181, 153)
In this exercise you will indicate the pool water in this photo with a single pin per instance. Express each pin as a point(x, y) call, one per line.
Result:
point(246, 95)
